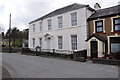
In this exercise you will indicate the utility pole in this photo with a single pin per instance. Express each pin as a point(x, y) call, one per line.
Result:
point(9, 34)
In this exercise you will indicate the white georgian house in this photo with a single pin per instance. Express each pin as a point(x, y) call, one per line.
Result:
point(63, 29)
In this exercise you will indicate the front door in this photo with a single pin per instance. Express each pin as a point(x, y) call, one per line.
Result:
point(48, 43)
point(94, 49)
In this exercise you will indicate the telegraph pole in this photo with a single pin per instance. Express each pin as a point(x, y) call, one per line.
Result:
point(9, 34)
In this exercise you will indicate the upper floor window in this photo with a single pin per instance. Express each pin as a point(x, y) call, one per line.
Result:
point(60, 22)
point(74, 19)
point(116, 24)
point(60, 44)
point(33, 42)
point(40, 26)
point(99, 26)
point(74, 42)
point(40, 42)
point(49, 24)
point(33, 27)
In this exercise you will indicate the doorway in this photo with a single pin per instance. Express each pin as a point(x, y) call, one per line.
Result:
point(94, 49)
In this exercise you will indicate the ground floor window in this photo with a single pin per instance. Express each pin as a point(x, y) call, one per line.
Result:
point(60, 45)
point(33, 42)
point(115, 44)
point(74, 42)
point(40, 42)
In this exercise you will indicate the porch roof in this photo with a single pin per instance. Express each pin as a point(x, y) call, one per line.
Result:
point(98, 37)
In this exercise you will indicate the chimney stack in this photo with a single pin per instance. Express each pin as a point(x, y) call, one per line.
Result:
point(97, 6)
point(119, 3)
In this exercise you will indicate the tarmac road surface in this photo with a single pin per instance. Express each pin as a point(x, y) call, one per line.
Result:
point(23, 66)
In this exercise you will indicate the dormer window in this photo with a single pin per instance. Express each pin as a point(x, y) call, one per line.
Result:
point(116, 24)
point(99, 26)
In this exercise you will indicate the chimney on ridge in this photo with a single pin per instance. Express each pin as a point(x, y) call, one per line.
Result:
point(97, 6)
point(119, 3)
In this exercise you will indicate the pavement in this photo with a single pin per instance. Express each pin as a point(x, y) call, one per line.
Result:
point(24, 66)
point(5, 73)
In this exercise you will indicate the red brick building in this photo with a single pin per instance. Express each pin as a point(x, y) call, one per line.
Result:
point(104, 32)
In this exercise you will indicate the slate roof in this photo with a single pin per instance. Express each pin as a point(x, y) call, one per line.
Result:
point(97, 36)
point(68, 8)
point(111, 11)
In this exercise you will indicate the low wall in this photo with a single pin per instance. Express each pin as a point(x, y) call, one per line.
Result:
point(106, 61)
point(13, 49)
point(53, 53)
point(80, 55)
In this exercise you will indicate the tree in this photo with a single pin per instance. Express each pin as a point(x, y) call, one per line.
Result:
point(17, 36)
point(14, 34)
point(3, 36)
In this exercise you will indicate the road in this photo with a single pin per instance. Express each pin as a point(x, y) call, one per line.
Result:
point(23, 66)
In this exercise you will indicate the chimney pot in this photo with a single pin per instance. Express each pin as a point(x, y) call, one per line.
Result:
point(97, 6)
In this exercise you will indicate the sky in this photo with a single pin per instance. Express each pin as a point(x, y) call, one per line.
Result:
point(25, 11)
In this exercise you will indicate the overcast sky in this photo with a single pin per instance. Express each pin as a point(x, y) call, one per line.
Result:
point(25, 11)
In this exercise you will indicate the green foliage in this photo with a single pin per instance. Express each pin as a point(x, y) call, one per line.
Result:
point(17, 36)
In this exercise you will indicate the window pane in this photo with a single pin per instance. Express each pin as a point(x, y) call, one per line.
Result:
point(99, 29)
point(60, 22)
point(59, 42)
point(74, 42)
point(49, 24)
point(99, 26)
point(117, 27)
point(74, 19)
point(33, 27)
point(40, 42)
point(115, 47)
point(40, 26)
point(117, 21)
point(33, 42)
point(99, 23)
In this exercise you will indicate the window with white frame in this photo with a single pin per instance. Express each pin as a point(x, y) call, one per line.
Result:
point(74, 19)
point(49, 24)
point(60, 22)
point(60, 42)
point(40, 42)
point(40, 26)
point(33, 42)
point(33, 27)
point(74, 42)
point(116, 24)
point(99, 26)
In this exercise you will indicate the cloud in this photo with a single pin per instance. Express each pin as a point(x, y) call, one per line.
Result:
point(24, 11)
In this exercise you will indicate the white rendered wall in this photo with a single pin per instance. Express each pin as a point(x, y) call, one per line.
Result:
point(80, 30)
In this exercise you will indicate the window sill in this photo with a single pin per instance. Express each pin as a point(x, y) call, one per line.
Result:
point(100, 32)
point(116, 32)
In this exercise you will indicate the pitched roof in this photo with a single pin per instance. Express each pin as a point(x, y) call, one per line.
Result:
point(68, 8)
point(97, 36)
point(111, 11)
